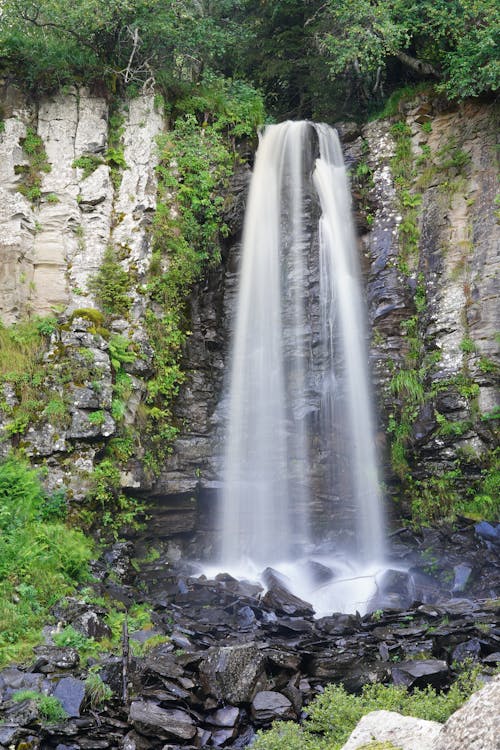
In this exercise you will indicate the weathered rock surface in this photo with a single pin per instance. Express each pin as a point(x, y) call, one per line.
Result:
point(404, 732)
point(475, 726)
point(231, 672)
point(455, 273)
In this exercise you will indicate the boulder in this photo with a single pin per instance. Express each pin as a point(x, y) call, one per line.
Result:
point(475, 726)
point(231, 673)
point(269, 705)
point(52, 659)
point(404, 732)
point(225, 717)
point(421, 672)
point(279, 598)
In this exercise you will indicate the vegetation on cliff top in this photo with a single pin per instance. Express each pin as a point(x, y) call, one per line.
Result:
point(310, 58)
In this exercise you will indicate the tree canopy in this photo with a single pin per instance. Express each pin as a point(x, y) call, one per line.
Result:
point(310, 57)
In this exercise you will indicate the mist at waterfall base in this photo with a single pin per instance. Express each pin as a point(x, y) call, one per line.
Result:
point(299, 405)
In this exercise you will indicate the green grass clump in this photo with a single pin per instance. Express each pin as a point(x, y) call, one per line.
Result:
point(51, 710)
point(333, 715)
point(96, 690)
point(41, 558)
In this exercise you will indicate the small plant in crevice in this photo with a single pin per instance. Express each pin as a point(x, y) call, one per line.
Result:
point(108, 509)
point(88, 163)
point(111, 286)
point(115, 155)
point(402, 168)
point(97, 691)
point(31, 174)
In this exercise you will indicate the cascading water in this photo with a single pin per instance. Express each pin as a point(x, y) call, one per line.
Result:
point(298, 381)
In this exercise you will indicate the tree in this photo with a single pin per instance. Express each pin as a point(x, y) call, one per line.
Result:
point(53, 42)
point(454, 42)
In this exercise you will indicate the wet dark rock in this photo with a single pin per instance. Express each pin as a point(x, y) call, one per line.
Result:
point(492, 658)
point(337, 624)
point(151, 720)
point(421, 673)
point(294, 625)
point(118, 559)
point(52, 659)
point(111, 673)
point(221, 736)
point(163, 663)
point(181, 641)
point(135, 741)
point(231, 673)
point(294, 695)
point(234, 206)
point(283, 659)
point(459, 607)
point(395, 590)
point(348, 130)
point(488, 531)
point(87, 619)
point(92, 625)
point(245, 617)
point(467, 651)
point(318, 572)
point(279, 598)
point(71, 693)
point(268, 706)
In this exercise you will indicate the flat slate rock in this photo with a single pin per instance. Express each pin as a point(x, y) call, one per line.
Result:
point(154, 721)
point(420, 672)
point(71, 693)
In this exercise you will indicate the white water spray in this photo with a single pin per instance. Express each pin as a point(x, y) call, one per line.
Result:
point(280, 417)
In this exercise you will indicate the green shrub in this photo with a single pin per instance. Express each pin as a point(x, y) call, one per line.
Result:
point(108, 508)
point(120, 351)
point(41, 559)
point(111, 286)
point(333, 715)
point(71, 638)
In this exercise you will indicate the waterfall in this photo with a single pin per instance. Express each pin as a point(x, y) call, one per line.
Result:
point(299, 393)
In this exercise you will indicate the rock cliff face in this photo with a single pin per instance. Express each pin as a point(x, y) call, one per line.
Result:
point(62, 203)
point(434, 309)
point(431, 255)
point(51, 245)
